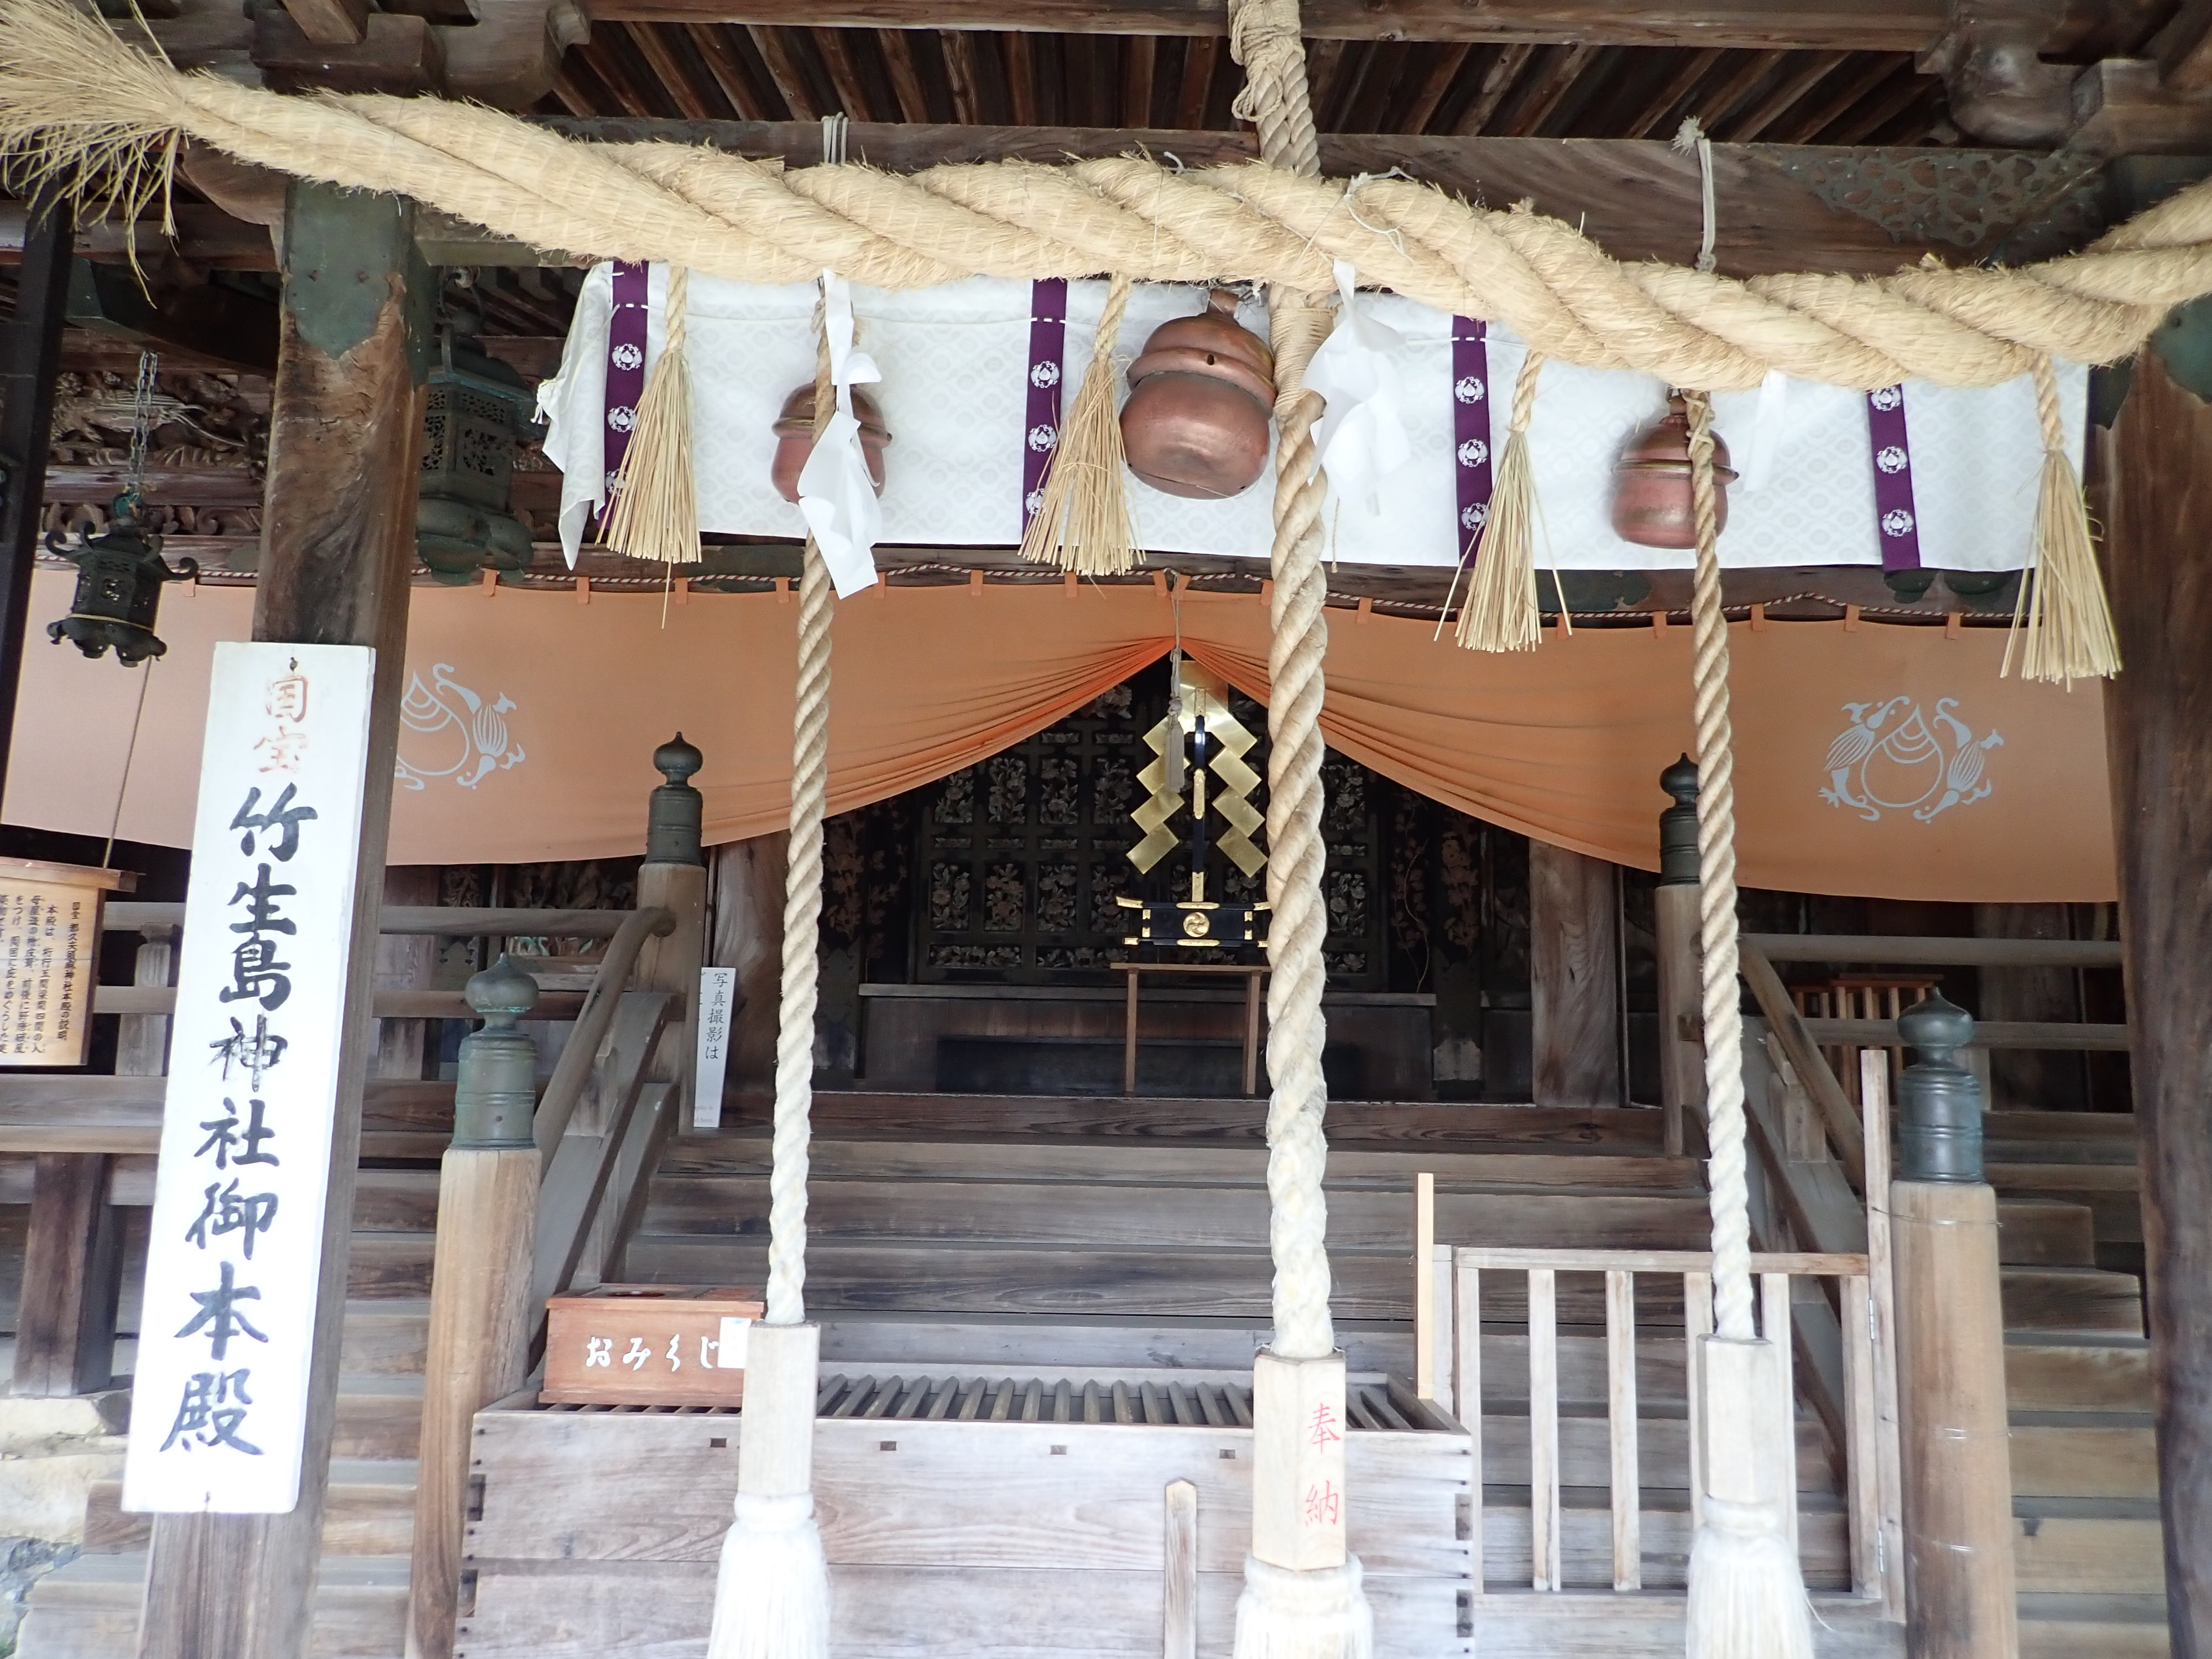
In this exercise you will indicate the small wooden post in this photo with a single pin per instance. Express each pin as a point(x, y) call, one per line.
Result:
point(65, 1329)
point(1467, 1386)
point(1681, 1052)
point(1424, 1286)
point(480, 1310)
point(142, 1040)
point(1881, 1311)
point(1574, 970)
point(1179, 1595)
point(2160, 742)
point(1954, 1433)
point(673, 878)
point(337, 543)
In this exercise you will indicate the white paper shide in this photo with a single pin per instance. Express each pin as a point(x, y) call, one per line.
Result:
point(219, 1406)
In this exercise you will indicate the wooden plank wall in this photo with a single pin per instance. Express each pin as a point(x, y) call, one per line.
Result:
point(1005, 1540)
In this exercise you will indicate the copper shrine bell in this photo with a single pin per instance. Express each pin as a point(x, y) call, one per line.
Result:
point(1201, 397)
point(794, 438)
point(1652, 483)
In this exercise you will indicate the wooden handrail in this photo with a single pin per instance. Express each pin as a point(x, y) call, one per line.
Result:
point(385, 1004)
point(1837, 1112)
point(574, 1069)
point(1988, 1034)
point(132, 917)
point(1877, 949)
point(1802, 1263)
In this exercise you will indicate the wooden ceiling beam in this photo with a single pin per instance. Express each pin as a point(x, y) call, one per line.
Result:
point(1836, 25)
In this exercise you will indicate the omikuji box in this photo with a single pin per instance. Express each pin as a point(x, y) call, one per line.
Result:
point(648, 1345)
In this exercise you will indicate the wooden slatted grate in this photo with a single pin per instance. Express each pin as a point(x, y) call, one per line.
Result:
point(1371, 1403)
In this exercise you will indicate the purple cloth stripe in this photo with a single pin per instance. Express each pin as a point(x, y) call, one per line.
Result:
point(1471, 475)
point(1041, 419)
point(626, 325)
point(1895, 518)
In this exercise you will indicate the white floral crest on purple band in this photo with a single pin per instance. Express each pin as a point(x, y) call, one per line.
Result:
point(1475, 516)
point(613, 479)
point(627, 356)
point(1042, 438)
point(1468, 389)
point(622, 417)
point(1891, 458)
point(1034, 500)
point(1045, 374)
point(1896, 522)
point(1885, 398)
point(1474, 453)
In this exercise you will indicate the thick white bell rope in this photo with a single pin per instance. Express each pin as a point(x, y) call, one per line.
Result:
point(836, 492)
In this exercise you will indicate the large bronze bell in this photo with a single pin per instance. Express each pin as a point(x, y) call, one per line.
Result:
point(794, 438)
point(1652, 483)
point(1200, 399)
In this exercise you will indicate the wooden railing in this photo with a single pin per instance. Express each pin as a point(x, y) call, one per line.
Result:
point(1868, 1441)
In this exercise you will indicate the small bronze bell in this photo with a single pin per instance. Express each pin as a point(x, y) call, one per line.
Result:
point(794, 438)
point(1652, 483)
point(1200, 399)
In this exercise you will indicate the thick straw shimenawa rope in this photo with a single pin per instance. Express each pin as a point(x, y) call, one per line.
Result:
point(74, 97)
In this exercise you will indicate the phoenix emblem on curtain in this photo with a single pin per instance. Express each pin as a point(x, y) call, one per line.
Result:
point(1893, 757)
point(448, 731)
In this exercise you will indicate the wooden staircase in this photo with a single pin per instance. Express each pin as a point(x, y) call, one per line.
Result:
point(2086, 1546)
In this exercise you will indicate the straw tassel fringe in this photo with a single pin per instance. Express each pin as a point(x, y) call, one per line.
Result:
point(655, 511)
point(2061, 625)
point(1082, 523)
point(1501, 613)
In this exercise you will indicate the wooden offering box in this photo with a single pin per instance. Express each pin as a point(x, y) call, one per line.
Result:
point(648, 1345)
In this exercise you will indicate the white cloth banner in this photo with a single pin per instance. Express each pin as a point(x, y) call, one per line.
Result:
point(955, 360)
point(219, 1405)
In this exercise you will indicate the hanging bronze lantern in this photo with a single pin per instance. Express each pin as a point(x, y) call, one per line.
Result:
point(476, 409)
point(794, 438)
point(1652, 483)
point(1200, 399)
point(120, 574)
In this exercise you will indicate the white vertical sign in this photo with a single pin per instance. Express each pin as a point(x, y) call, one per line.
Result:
point(718, 990)
point(219, 1405)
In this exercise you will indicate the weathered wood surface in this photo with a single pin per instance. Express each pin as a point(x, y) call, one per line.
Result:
point(404, 962)
point(1107, 1216)
point(338, 546)
point(1375, 1125)
point(1988, 1034)
point(458, 919)
point(655, 1487)
point(387, 1006)
point(2158, 720)
point(79, 1113)
point(1574, 975)
point(1636, 198)
point(72, 1277)
point(1916, 951)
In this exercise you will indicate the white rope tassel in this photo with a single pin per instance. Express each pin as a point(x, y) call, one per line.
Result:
point(1747, 1593)
point(1321, 1613)
point(772, 1595)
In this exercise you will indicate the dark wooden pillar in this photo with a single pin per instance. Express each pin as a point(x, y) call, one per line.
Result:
point(337, 550)
point(72, 1270)
point(30, 354)
point(1574, 977)
point(2159, 734)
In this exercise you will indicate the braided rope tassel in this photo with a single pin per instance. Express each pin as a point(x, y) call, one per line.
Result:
point(802, 919)
point(1747, 1593)
point(2061, 624)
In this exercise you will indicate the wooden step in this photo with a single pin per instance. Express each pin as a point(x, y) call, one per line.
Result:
point(2045, 1232)
point(2073, 1454)
point(2109, 1190)
point(385, 1336)
point(1110, 1216)
point(369, 1510)
point(1182, 1165)
point(1147, 1286)
point(2093, 1627)
point(2059, 1137)
point(2045, 1372)
point(89, 1609)
point(2087, 1546)
point(1378, 1125)
point(378, 1417)
point(2072, 1299)
point(396, 1264)
point(395, 1202)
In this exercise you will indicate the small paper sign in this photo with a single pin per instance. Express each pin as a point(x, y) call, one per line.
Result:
point(737, 1333)
point(50, 918)
point(233, 1266)
point(718, 990)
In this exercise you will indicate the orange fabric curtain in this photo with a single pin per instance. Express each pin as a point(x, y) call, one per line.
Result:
point(531, 718)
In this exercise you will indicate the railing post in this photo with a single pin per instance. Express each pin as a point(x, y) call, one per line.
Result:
point(479, 1286)
point(1682, 1056)
point(674, 878)
point(1950, 1354)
